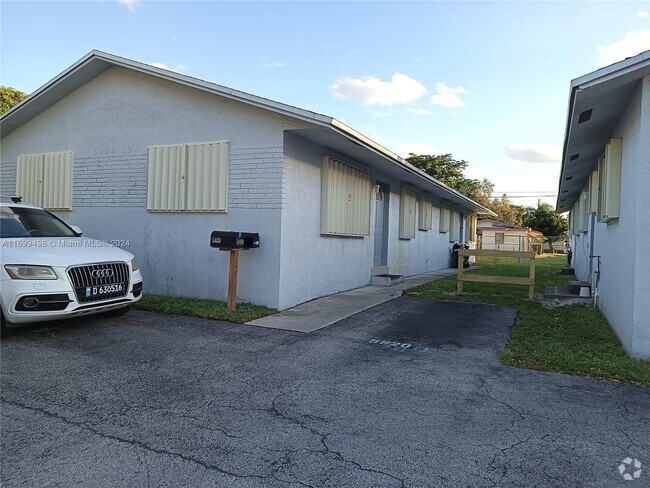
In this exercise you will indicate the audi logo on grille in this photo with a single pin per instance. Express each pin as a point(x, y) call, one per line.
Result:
point(101, 273)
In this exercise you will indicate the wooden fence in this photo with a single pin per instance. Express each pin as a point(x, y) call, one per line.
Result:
point(510, 280)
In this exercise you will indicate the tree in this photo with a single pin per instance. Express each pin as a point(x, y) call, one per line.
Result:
point(507, 211)
point(546, 220)
point(449, 171)
point(9, 97)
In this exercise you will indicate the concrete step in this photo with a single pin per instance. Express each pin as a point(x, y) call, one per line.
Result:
point(574, 287)
point(386, 280)
point(379, 270)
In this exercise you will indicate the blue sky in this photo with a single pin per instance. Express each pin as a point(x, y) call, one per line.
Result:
point(485, 81)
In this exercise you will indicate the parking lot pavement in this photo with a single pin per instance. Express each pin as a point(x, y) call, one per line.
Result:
point(408, 393)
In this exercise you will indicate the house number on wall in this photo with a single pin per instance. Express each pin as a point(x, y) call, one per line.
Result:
point(111, 150)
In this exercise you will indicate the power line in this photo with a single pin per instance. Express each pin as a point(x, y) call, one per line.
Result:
point(527, 191)
point(554, 195)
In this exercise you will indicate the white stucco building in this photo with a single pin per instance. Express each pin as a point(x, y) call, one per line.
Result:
point(605, 184)
point(134, 153)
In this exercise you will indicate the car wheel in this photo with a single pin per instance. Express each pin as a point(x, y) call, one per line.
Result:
point(118, 312)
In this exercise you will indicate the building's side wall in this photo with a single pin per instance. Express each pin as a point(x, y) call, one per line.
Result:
point(315, 265)
point(109, 123)
point(623, 284)
point(641, 314)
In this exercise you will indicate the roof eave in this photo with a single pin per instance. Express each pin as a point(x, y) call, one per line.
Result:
point(589, 80)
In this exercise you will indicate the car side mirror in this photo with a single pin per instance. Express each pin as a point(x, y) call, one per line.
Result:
point(77, 229)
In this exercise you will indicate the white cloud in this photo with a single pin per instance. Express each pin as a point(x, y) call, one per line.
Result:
point(633, 42)
point(177, 69)
point(448, 96)
point(273, 64)
point(509, 177)
point(417, 110)
point(131, 4)
point(536, 153)
point(381, 113)
point(406, 148)
point(373, 91)
point(642, 13)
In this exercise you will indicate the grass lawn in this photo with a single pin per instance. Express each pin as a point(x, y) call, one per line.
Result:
point(573, 339)
point(208, 309)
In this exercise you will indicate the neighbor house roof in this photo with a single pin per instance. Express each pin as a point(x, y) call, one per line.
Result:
point(596, 103)
point(490, 223)
point(325, 130)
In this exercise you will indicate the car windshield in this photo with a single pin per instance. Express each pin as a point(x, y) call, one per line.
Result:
point(31, 222)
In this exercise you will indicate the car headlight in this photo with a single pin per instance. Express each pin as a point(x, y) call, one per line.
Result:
point(26, 272)
point(134, 265)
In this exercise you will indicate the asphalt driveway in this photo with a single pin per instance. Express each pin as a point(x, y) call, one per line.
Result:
point(408, 393)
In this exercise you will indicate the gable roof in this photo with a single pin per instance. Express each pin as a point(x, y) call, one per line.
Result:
point(327, 130)
point(491, 223)
point(602, 97)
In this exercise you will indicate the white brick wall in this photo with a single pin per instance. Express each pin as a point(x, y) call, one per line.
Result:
point(256, 179)
point(109, 181)
point(8, 179)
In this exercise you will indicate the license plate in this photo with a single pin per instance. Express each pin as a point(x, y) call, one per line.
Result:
point(100, 290)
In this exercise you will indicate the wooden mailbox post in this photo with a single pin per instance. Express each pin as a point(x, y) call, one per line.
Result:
point(234, 242)
point(232, 279)
point(510, 280)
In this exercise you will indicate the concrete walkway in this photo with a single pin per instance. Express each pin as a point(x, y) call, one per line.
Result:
point(321, 312)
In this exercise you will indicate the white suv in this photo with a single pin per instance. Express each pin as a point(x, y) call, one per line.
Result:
point(48, 271)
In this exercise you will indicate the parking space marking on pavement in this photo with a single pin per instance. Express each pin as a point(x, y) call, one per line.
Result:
point(398, 346)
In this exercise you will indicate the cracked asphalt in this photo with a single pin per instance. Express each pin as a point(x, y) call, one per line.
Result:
point(406, 394)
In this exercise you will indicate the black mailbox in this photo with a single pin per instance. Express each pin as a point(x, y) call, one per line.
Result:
point(227, 241)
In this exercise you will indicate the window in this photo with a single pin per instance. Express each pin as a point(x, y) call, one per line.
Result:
point(444, 218)
point(407, 214)
point(594, 192)
point(584, 209)
point(188, 177)
point(345, 199)
point(609, 176)
point(499, 238)
point(425, 213)
point(454, 235)
point(579, 208)
point(472, 227)
point(45, 179)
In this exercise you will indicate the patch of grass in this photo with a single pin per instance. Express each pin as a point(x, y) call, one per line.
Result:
point(208, 309)
point(573, 339)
